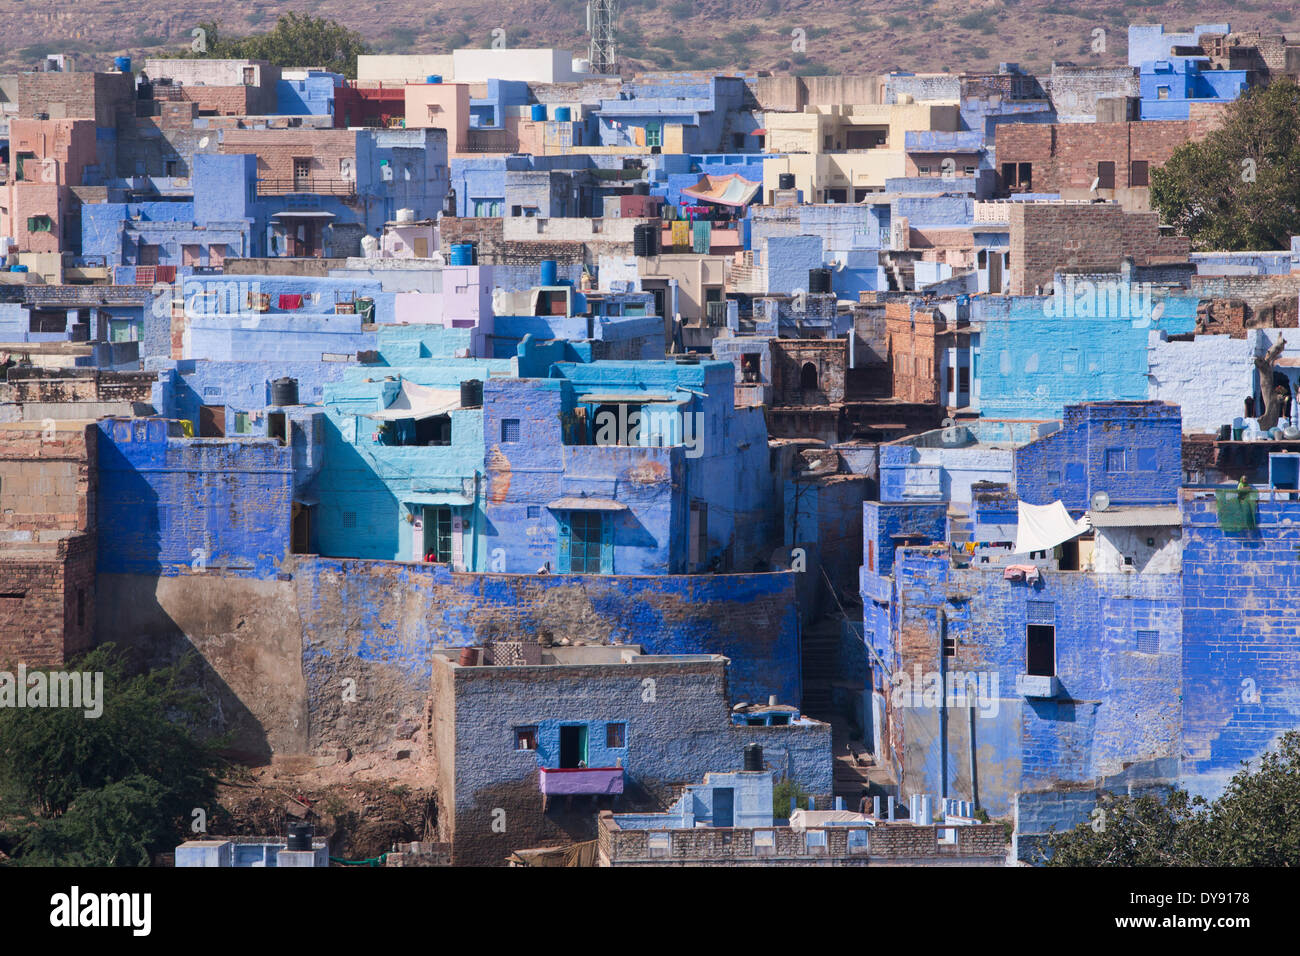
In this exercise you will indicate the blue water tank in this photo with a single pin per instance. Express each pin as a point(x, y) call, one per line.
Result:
point(122, 64)
point(17, 268)
point(550, 269)
point(563, 114)
point(462, 253)
point(538, 112)
point(433, 78)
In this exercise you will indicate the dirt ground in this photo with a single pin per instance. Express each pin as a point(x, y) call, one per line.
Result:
point(362, 805)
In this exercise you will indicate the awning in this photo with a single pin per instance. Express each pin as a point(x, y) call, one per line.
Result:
point(454, 498)
point(1043, 527)
point(419, 401)
point(733, 190)
point(302, 214)
point(626, 398)
point(586, 504)
point(1147, 517)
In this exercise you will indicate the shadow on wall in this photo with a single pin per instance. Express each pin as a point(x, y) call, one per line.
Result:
point(247, 647)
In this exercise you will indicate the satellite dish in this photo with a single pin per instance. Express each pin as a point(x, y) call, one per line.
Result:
point(1095, 183)
point(1100, 501)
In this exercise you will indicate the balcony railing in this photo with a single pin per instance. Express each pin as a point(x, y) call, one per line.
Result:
point(581, 781)
point(306, 184)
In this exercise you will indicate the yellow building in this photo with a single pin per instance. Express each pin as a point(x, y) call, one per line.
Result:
point(842, 153)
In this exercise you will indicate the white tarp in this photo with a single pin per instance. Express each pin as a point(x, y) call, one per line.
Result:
point(803, 819)
point(419, 401)
point(1043, 527)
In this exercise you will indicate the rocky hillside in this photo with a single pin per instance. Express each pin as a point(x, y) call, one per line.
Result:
point(836, 35)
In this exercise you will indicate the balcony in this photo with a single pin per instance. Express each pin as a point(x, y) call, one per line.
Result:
point(1034, 685)
point(584, 781)
point(306, 184)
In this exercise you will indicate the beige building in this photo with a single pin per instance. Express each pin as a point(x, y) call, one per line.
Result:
point(842, 153)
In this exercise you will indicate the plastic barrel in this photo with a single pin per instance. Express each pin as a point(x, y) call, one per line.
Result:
point(563, 114)
point(819, 280)
point(284, 391)
point(462, 254)
point(471, 394)
point(433, 78)
point(550, 269)
point(785, 181)
point(122, 64)
point(753, 758)
point(538, 112)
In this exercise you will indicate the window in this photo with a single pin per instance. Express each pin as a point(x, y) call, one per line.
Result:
point(1053, 478)
point(660, 844)
point(585, 541)
point(1106, 175)
point(808, 377)
point(349, 519)
point(510, 429)
point(968, 170)
point(250, 76)
point(1040, 650)
point(534, 511)
point(1139, 173)
point(40, 224)
point(1025, 175)
point(654, 134)
point(923, 170)
point(1162, 92)
point(1148, 642)
point(526, 738)
point(301, 170)
point(738, 141)
point(1146, 460)
point(616, 735)
point(1116, 462)
point(950, 647)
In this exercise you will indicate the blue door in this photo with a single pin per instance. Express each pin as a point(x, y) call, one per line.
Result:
point(724, 807)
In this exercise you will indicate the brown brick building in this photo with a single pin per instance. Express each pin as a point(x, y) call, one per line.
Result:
point(1051, 237)
point(47, 542)
point(1066, 158)
point(914, 349)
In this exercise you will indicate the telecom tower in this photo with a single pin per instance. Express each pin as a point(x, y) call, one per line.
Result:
point(600, 24)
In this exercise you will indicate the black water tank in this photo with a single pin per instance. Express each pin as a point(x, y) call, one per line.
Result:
point(785, 181)
point(645, 240)
point(284, 391)
point(299, 836)
point(641, 189)
point(753, 758)
point(819, 280)
point(471, 394)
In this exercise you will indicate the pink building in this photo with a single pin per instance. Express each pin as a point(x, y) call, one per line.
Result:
point(440, 106)
point(46, 158)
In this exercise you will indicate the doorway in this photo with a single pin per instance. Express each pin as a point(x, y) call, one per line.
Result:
point(573, 746)
point(437, 534)
point(724, 806)
point(212, 421)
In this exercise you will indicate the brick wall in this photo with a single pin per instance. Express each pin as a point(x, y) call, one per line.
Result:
point(789, 356)
point(47, 602)
point(494, 249)
point(277, 149)
point(1233, 304)
point(913, 351)
point(1083, 237)
point(47, 480)
point(102, 97)
point(1065, 156)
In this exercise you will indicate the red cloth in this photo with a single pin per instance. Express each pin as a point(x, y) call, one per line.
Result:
point(291, 301)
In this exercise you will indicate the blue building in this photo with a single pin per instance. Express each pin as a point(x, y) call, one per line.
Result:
point(988, 677)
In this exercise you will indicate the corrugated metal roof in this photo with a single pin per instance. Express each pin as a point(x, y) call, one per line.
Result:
point(587, 504)
point(1141, 517)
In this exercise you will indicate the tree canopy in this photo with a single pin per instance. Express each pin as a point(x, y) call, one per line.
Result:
point(110, 790)
point(1239, 188)
point(296, 40)
point(1255, 822)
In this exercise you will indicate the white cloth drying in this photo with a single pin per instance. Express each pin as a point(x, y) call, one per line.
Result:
point(1043, 527)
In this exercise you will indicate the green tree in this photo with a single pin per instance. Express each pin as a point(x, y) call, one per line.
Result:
point(1239, 188)
point(107, 790)
point(1254, 822)
point(295, 40)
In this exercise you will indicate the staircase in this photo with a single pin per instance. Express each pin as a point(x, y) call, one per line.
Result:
point(821, 648)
